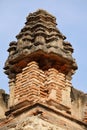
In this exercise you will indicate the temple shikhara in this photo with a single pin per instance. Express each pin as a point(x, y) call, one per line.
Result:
point(40, 66)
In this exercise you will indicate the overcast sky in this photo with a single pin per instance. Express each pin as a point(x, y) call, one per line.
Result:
point(71, 17)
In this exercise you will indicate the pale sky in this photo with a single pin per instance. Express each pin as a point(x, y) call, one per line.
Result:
point(71, 17)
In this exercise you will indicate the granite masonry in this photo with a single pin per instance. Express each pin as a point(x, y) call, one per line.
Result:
point(40, 66)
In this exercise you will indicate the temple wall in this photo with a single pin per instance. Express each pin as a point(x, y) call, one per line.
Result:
point(3, 103)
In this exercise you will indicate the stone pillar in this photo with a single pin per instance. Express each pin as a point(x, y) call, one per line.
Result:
point(66, 99)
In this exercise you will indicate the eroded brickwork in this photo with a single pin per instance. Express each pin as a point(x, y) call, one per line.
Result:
point(30, 83)
point(35, 84)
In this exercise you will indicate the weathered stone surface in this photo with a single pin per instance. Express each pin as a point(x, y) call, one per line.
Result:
point(79, 104)
point(40, 33)
point(3, 103)
point(46, 121)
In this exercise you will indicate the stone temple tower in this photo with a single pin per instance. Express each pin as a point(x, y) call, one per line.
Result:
point(40, 68)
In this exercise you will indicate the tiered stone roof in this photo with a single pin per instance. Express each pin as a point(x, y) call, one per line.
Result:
point(40, 40)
